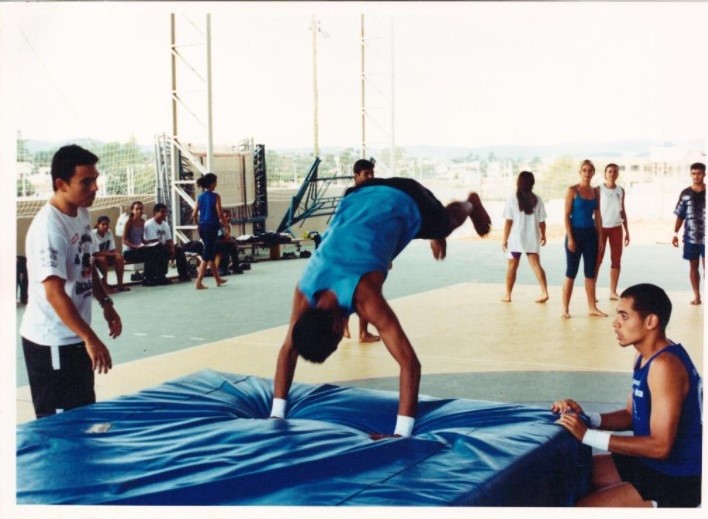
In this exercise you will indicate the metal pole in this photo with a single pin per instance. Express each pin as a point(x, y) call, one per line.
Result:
point(174, 74)
point(314, 87)
point(174, 165)
point(210, 124)
point(393, 106)
point(363, 92)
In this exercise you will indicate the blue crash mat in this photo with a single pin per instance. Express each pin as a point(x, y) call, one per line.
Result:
point(205, 440)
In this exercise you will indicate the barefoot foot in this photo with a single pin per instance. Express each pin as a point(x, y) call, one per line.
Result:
point(614, 297)
point(696, 301)
point(565, 315)
point(542, 299)
point(199, 286)
point(595, 312)
point(369, 337)
point(506, 299)
point(220, 281)
point(480, 218)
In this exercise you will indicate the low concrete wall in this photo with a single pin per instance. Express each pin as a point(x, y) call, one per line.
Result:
point(276, 210)
point(112, 212)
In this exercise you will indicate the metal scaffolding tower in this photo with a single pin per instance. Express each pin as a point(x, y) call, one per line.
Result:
point(177, 167)
point(377, 93)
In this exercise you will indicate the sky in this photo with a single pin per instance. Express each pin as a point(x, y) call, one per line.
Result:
point(464, 74)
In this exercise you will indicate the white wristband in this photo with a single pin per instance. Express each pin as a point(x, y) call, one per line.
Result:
point(595, 419)
point(597, 439)
point(278, 410)
point(404, 425)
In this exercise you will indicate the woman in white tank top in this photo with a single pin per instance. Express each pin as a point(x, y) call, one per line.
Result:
point(614, 218)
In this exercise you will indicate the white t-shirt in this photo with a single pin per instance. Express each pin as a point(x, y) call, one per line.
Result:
point(120, 223)
point(104, 243)
point(157, 231)
point(525, 236)
point(57, 245)
point(611, 205)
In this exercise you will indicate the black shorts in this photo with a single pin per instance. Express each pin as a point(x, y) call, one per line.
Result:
point(652, 485)
point(69, 386)
point(435, 223)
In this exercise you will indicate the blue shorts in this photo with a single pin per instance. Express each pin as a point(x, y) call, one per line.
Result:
point(693, 251)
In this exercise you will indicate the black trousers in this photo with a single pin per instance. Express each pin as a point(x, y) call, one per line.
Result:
point(229, 251)
point(65, 384)
point(163, 254)
point(22, 282)
point(151, 257)
point(181, 261)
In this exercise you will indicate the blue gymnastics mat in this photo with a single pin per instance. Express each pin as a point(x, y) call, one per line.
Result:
point(205, 439)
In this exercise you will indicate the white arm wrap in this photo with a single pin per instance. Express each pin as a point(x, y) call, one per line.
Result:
point(597, 439)
point(278, 410)
point(595, 419)
point(404, 425)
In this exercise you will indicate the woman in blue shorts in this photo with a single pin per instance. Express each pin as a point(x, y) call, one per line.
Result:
point(583, 225)
point(208, 213)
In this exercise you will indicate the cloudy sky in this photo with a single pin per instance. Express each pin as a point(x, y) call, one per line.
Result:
point(465, 74)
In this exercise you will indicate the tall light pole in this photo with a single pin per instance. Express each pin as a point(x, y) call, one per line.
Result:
point(393, 106)
point(210, 115)
point(314, 27)
point(373, 69)
point(363, 91)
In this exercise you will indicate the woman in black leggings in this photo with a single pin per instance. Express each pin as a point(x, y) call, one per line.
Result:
point(583, 225)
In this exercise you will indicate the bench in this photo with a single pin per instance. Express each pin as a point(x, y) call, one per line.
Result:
point(275, 247)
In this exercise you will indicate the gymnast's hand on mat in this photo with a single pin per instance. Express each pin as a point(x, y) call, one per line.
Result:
point(566, 405)
point(574, 423)
point(381, 436)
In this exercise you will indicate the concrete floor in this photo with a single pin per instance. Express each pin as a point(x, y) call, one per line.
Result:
point(471, 345)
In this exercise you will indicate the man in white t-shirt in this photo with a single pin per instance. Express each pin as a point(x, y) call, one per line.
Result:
point(158, 230)
point(61, 349)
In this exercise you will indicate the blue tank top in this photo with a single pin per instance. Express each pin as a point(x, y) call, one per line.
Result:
point(581, 214)
point(207, 209)
point(135, 235)
point(686, 454)
point(368, 230)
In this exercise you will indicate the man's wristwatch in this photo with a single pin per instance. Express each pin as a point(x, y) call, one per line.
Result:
point(105, 301)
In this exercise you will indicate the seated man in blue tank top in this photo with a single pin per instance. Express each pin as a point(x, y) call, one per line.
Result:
point(372, 224)
point(660, 464)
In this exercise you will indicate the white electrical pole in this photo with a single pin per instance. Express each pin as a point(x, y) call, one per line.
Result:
point(210, 115)
point(363, 91)
point(314, 28)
